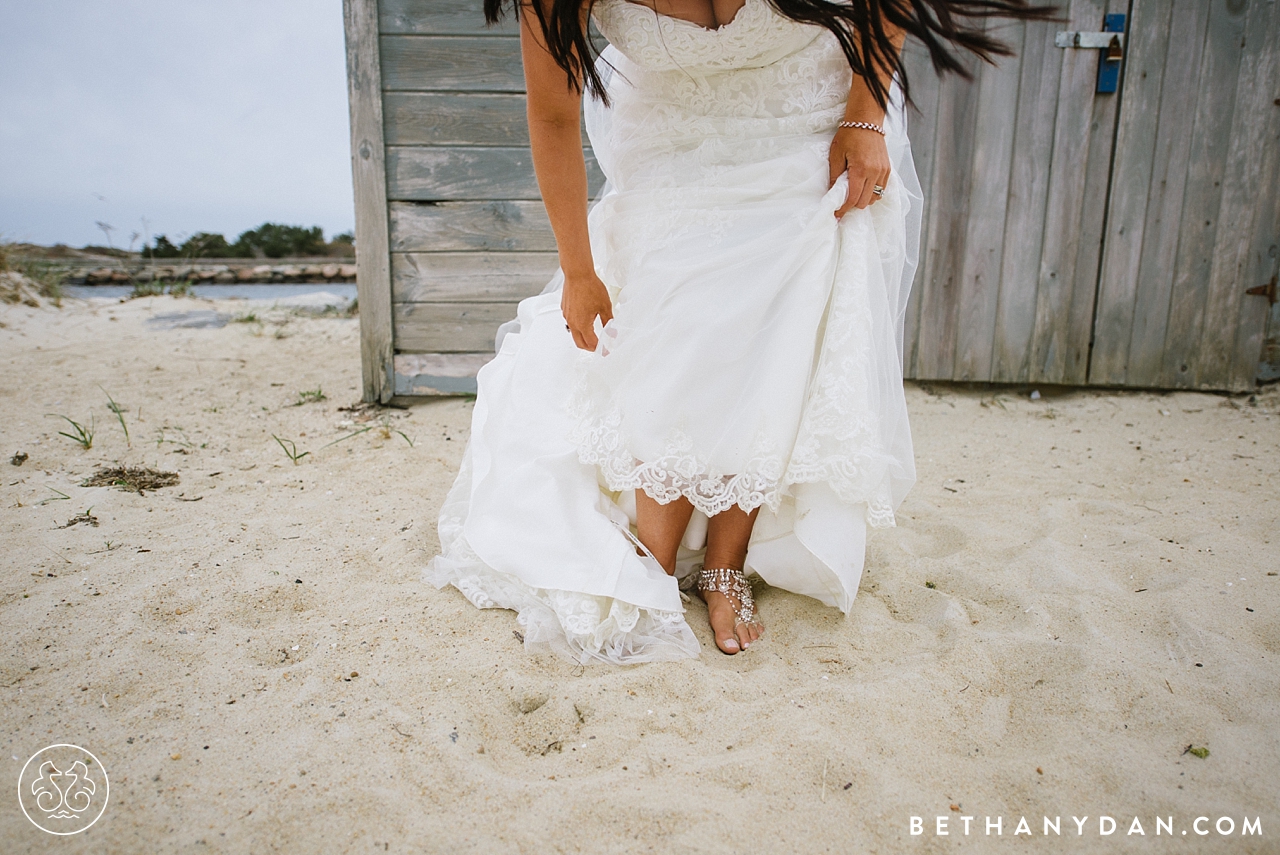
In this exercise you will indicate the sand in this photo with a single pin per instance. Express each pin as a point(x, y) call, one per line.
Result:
point(1080, 588)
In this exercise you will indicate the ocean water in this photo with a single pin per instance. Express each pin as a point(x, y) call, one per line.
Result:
point(339, 294)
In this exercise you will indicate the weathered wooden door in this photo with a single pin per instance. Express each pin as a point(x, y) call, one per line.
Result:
point(1192, 225)
point(1079, 237)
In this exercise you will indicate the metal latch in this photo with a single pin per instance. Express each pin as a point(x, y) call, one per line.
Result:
point(1110, 41)
point(1113, 43)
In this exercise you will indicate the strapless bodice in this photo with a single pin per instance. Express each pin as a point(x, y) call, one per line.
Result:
point(756, 37)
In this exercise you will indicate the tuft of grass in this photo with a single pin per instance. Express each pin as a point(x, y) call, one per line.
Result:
point(83, 434)
point(182, 443)
point(930, 585)
point(159, 289)
point(290, 448)
point(181, 289)
point(387, 430)
point(83, 517)
point(1197, 750)
point(48, 277)
point(119, 411)
point(58, 498)
point(146, 289)
point(246, 318)
point(310, 396)
point(348, 436)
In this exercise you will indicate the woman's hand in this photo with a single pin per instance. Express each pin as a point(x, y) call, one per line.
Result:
point(583, 299)
point(863, 155)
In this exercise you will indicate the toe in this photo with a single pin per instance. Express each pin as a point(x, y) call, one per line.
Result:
point(728, 643)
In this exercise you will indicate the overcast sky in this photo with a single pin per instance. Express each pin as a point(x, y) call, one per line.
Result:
point(193, 114)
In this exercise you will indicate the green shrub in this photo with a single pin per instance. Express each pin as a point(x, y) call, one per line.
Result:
point(276, 241)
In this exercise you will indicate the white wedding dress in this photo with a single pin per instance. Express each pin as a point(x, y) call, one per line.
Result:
point(754, 357)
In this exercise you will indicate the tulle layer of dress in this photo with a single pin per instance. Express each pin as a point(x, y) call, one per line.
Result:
point(754, 359)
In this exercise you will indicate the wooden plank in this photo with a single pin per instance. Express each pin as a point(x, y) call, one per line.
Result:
point(497, 277)
point(922, 119)
point(979, 288)
point(470, 226)
point(440, 17)
point(943, 244)
point(1267, 230)
point(1206, 163)
point(443, 364)
point(1155, 274)
point(1234, 323)
point(1060, 341)
point(1131, 189)
point(1028, 200)
point(449, 327)
point(420, 173)
point(454, 118)
point(1104, 111)
point(457, 118)
point(451, 64)
point(439, 373)
point(368, 167)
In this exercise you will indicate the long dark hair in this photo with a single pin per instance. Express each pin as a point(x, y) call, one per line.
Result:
point(942, 26)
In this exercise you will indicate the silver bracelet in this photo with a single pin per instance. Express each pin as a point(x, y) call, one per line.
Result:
point(866, 125)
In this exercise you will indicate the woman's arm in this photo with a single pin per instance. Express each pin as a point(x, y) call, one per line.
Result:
point(555, 134)
point(859, 152)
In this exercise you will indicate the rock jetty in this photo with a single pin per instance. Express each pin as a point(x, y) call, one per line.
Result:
point(218, 273)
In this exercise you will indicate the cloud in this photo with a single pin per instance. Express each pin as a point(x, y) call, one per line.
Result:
point(212, 116)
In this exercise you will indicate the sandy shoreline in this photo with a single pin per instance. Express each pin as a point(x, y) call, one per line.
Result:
point(1100, 601)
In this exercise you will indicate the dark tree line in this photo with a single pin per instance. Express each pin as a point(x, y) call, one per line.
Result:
point(269, 240)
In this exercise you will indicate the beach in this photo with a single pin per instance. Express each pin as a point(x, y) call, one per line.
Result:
point(1078, 615)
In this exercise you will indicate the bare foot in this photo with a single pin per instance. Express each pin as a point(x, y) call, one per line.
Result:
point(732, 635)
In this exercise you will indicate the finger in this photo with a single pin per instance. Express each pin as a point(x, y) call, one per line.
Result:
point(584, 340)
point(835, 167)
point(883, 183)
point(853, 195)
point(606, 314)
point(867, 194)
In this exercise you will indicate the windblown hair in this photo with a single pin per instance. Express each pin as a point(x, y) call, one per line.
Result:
point(944, 27)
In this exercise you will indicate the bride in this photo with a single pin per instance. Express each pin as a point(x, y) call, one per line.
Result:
point(711, 385)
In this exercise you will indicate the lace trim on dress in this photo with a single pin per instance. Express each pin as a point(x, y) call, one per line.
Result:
point(763, 481)
point(583, 627)
point(839, 439)
point(678, 471)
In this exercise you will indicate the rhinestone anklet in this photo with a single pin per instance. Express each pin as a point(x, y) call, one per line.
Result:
point(732, 583)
